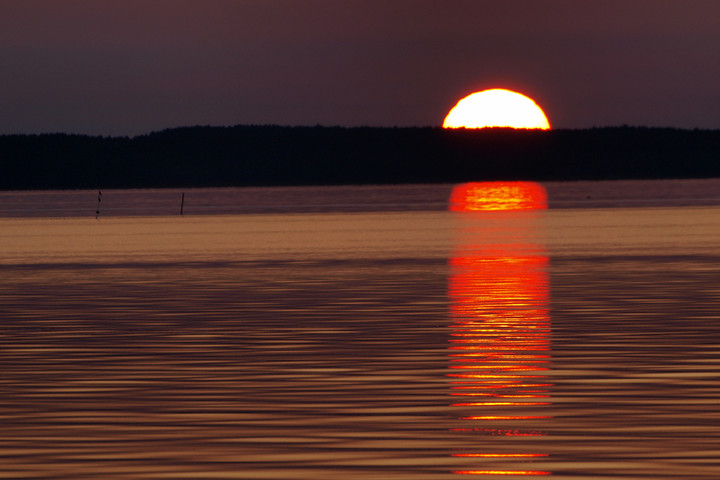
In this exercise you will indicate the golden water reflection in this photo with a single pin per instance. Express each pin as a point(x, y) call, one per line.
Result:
point(485, 196)
point(500, 337)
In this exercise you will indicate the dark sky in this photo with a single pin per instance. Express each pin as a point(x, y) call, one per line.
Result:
point(133, 66)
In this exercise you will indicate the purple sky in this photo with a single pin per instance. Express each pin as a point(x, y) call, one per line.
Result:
point(133, 66)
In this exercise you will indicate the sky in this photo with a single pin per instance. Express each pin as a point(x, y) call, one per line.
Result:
point(128, 67)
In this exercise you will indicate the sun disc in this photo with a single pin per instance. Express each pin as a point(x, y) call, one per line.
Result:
point(496, 107)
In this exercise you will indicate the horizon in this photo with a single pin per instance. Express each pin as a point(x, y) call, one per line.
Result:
point(276, 155)
point(359, 127)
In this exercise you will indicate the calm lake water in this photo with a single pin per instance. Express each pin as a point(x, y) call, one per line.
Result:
point(373, 332)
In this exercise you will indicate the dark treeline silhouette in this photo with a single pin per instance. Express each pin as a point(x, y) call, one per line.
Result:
point(274, 155)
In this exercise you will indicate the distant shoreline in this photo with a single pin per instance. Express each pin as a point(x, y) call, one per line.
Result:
point(275, 156)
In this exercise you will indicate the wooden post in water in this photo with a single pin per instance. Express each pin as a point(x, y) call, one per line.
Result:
point(182, 203)
point(97, 210)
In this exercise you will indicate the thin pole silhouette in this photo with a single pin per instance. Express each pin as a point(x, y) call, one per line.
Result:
point(97, 210)
point(182, 203)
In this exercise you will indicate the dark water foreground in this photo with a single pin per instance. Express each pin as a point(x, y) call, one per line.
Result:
point(577, 344)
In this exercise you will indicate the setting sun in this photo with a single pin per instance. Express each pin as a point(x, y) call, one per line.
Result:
point(496, 108)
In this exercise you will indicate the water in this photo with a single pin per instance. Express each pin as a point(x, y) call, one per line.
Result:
point(361, 332)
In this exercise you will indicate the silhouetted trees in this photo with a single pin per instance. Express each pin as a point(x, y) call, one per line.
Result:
point(274, 155)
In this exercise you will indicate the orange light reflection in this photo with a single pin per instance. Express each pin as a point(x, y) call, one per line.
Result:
point(500, 337)
point(500, 455)
point(501, 472)
point(477, 196)
point(506, 417)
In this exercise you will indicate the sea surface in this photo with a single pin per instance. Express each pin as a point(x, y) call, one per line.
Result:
point(361, 332)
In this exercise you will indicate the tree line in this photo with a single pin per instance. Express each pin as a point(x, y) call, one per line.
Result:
point(278, 155)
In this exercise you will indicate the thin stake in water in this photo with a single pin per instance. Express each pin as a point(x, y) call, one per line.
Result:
point(182, 203)
point(97, 210)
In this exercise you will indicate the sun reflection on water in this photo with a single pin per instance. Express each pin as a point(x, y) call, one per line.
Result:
point(500, 337)
point(484, 196)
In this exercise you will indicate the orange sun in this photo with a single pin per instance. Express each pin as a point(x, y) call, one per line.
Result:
point(496, 108)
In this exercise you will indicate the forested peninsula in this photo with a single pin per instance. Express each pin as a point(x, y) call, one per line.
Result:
point(278, 155)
